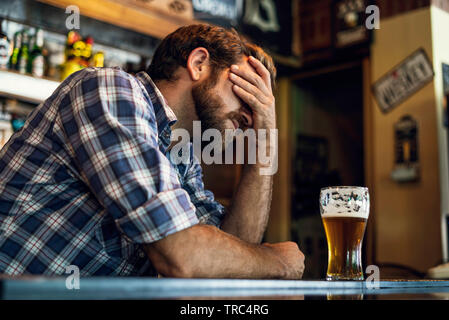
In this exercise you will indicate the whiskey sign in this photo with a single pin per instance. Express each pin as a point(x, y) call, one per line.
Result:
point(403, 80)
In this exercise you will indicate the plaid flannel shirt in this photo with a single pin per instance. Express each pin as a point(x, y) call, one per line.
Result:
point(88, 180)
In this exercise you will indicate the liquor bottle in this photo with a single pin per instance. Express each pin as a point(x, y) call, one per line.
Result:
point(5, 48)
point(98, 59)
point(31, 42)
point(36, 61)
point(14, 60)
point(24, 53)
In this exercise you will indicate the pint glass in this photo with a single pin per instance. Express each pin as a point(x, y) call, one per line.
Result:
point(344, 211)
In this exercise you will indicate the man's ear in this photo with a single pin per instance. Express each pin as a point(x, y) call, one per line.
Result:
point(197, 63)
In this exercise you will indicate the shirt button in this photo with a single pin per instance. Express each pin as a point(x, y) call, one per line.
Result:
point(141, 254)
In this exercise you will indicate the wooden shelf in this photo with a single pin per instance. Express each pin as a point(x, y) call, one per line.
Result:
point(156, 19)
point(25, 87)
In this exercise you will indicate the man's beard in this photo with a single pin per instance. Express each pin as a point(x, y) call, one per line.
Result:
point(208, 106)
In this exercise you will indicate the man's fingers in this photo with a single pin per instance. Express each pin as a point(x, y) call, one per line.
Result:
point(261, 70)
point(247, 97)
point(250, 76)
point(248, 87)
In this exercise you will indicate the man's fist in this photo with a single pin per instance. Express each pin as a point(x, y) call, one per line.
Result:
point(292, 258)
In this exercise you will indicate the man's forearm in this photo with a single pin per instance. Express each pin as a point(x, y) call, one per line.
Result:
point(204, 251)
point(247, 217)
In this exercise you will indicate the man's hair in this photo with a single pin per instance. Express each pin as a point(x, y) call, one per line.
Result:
point(226, 47)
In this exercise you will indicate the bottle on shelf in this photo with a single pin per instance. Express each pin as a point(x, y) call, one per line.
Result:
point(98, 59)
point(5, 48)
point(31, 41)
point(14, 60)
point(24, 53)
point(36, 63)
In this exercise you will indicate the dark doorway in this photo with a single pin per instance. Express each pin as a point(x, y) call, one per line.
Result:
point(328, 150)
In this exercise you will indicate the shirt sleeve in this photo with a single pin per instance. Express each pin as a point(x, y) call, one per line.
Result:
point(111, 129)
point(208, 210)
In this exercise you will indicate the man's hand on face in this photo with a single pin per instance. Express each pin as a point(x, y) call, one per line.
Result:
point(253, 86)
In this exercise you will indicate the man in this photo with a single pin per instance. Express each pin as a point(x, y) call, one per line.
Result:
point(89, 181)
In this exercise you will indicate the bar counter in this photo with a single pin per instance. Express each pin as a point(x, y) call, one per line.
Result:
point(105, 288)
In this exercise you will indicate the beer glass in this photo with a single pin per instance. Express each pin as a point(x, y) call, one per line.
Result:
point(344, 211)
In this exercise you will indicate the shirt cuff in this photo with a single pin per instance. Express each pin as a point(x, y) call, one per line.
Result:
point(214, 217)
point(166, 213)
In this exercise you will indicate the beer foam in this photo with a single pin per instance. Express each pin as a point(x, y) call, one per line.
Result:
point(346, 214)
point(344, 202)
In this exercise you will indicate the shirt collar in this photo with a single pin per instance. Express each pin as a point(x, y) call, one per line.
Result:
point(165, 117)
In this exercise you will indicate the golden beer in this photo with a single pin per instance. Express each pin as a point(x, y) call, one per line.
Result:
point(344, 241)
point(344, 211)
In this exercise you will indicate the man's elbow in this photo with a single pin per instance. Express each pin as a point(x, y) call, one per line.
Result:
point(174, 270)
point(170, 267)
point(178, 255)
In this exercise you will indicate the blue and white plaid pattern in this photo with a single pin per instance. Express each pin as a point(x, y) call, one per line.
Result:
point(88, 180)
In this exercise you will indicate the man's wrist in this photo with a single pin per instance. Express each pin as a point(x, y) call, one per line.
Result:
point(277, 269)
